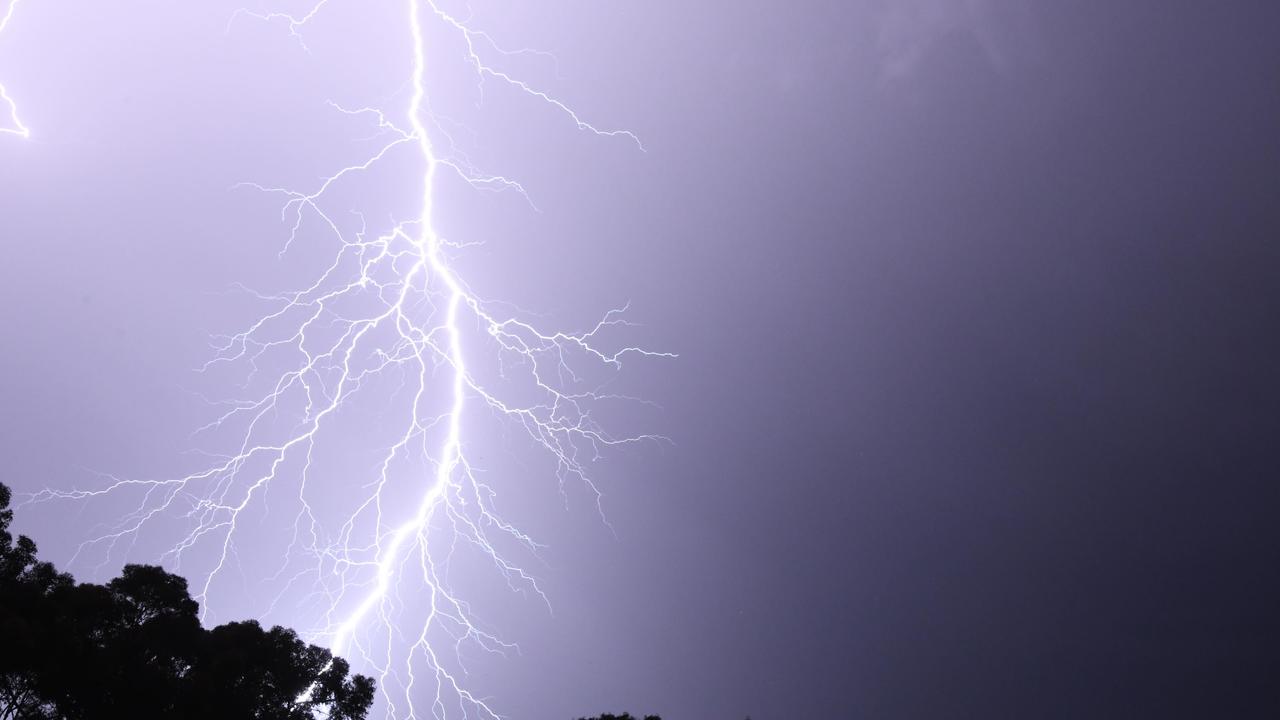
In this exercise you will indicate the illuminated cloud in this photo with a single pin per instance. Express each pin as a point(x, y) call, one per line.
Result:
point(909, 29)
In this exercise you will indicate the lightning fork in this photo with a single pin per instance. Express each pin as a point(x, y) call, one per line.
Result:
point(16, 127)
point(388, 318)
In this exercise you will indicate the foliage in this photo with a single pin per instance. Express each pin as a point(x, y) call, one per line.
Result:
point(135, 648)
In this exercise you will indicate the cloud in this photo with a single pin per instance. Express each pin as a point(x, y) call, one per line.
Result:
point(908, 29)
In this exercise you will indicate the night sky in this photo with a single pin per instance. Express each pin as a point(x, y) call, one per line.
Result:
point(975, 410)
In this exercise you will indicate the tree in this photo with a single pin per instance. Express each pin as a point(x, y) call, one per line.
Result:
point(135, 648)
point(623, 716)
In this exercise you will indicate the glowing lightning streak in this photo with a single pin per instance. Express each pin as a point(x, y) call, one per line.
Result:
point(17, 127)
point(428, 244)
point(398, 276)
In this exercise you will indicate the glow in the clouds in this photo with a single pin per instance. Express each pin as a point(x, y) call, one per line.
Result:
point(14, 126)
point(387, 317)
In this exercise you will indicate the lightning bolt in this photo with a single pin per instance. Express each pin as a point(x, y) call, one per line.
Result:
point(15, 123)
point(387, 323)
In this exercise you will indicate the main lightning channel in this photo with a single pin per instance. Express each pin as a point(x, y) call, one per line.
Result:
point(428, 246)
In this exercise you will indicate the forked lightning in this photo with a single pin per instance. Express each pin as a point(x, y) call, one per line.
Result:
point(387, 324)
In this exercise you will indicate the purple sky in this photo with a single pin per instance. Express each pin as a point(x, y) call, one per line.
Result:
point(973, 302)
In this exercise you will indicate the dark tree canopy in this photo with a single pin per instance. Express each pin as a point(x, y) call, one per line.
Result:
point(135, 648)
point(623, 716)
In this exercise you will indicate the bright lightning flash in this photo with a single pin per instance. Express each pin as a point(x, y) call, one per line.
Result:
point(15, 126)
point(387, 317)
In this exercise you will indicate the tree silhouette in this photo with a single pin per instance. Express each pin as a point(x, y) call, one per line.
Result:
point(135, 648)
point(623, 716)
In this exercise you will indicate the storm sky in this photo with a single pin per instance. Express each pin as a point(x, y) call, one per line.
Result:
point(975, 403)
